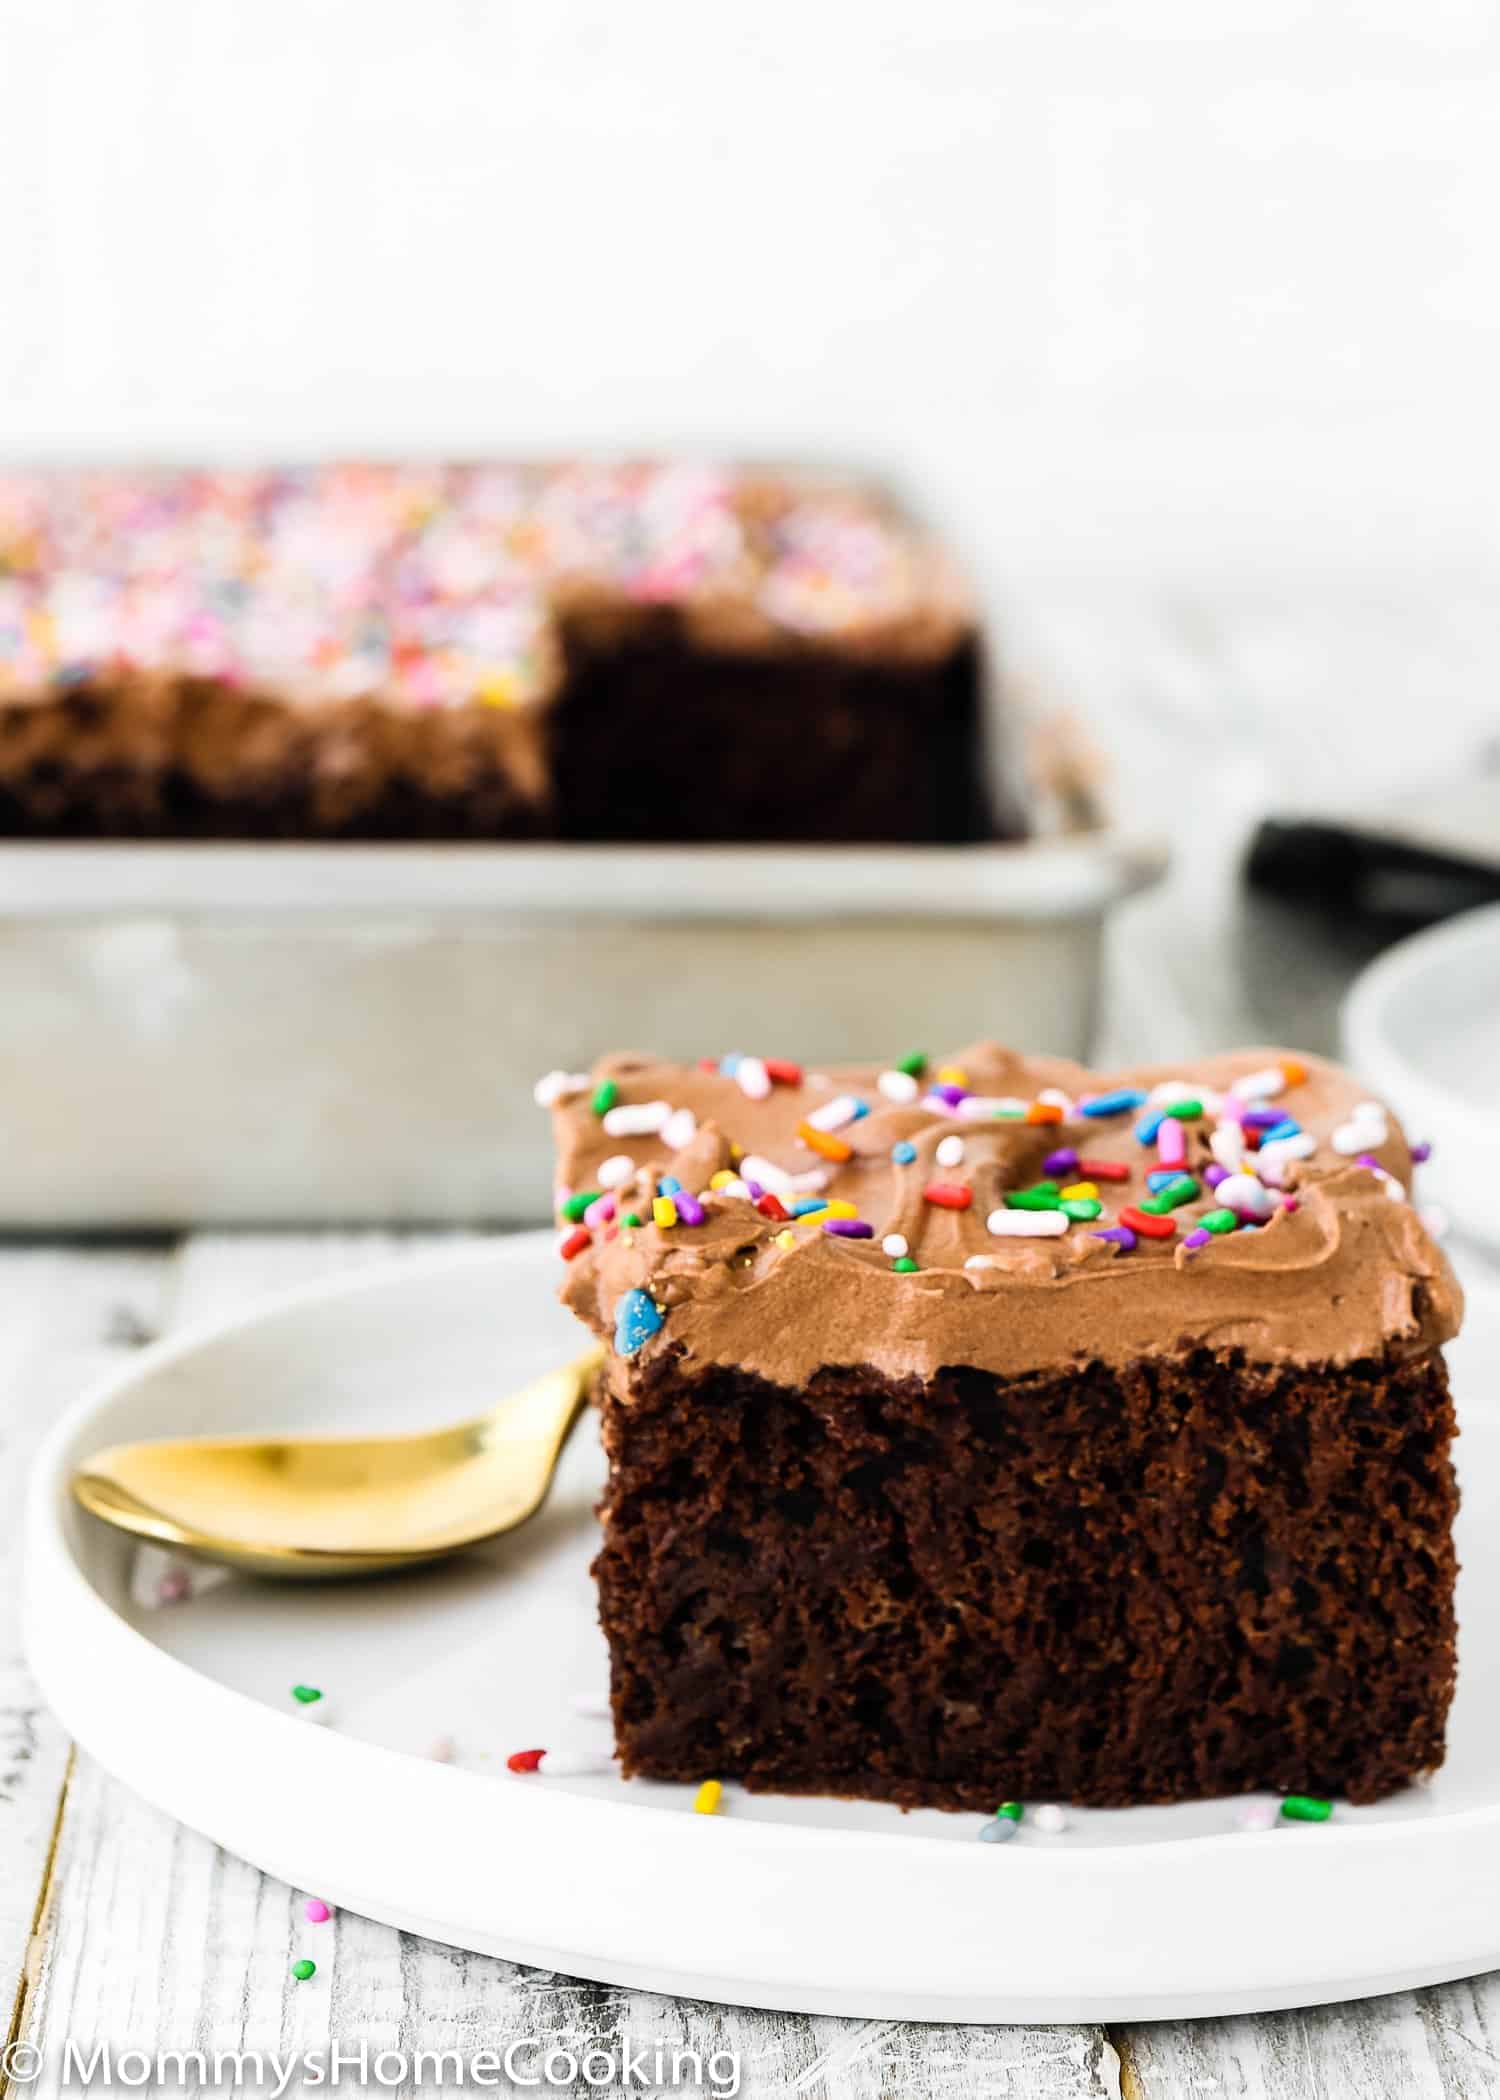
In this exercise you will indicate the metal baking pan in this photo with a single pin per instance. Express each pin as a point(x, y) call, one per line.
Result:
point(237, 1034)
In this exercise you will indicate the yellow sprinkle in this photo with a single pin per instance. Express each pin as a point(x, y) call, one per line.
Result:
point(786, 1239)
point(1079, 1192)
point(736, 1152)
point(722, 1179)
point(663, 1211)
point(834, 1207)
point(706, 1800)
point(498, 691)
point(814, 1217)
point(952, 1075)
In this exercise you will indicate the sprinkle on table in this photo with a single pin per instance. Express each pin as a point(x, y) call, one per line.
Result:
point(524, 1760)
point(304, 1970)
point(706, 1800)
point(316, 1911)
point(1305, 1808)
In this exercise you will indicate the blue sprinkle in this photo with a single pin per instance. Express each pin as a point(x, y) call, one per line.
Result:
point(1160, 1176)
point(70, 674)
point(903, 1154)
point(805, 1205)
point(669, 1185)
point(998, 1831)
point(636, 1320)
point(1119, 1103)
point(861, 1108)
point(1287, 1127)
point(729, 1064)
point(1149, 1124)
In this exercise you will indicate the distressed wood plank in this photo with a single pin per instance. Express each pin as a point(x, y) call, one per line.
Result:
point(64, 1316)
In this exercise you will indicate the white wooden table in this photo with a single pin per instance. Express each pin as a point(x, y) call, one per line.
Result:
point(117, 1924)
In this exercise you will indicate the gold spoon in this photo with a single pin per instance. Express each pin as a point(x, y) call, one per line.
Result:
point(315, 1507)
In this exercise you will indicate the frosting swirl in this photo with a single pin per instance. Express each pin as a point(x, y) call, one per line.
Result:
point(1328, 1264)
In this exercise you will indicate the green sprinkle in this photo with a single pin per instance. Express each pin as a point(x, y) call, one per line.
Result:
point(1042, 1195)
point(1081, 1208)
point(1305, 1808)
point(905, 1266)
point(1183, 1190)
point(632, 1218)
point(1011, 1810)
point(913, 1065)
point(575, 1206)
point(1185, 1111)
point(1219, 1220)
point(306, 1694)
point(606, 1094)
point(302, 1970)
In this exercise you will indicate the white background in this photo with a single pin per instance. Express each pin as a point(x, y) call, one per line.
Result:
point(1174, 288)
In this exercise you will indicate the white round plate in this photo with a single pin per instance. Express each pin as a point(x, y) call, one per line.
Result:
point(1422, 1026)
point(816, 1905)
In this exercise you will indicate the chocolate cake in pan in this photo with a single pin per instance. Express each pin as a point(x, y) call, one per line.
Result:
point(661, 652)
point(983, 1429)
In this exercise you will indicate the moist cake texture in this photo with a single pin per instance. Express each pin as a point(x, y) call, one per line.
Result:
point(481, 652)
point(984, 1428)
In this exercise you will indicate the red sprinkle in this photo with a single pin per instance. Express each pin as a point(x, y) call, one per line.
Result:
point(1143, 1222)
point(948, 1195)
point(1103, 1170)
point(575, 1243)
point(782, 1071)
point(708, 1064)
point(524, 1760)
point(771, 1206)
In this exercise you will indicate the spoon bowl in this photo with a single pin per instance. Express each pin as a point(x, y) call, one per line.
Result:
point(315, 1508)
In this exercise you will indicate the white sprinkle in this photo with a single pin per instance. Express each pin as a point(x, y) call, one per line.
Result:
point(636, 1119)
point(615, 1170)
point(442, 1750)
point(1272, 1161)
point(767, 1173)
point(1049, 1819)
point(1257, 1815)
point(1368, 1112)
point(979, 1108)
point(1435, 1218)
point(316, 1713)
point(897, 1086)
point(1027, 1224)
point(894, 1244)
point(1227, 1144)
point(809, 1183)
point(834, 1114)
point(950, 1152)
point(979, 1261)
point(1260, 1086)
point(1169, 1090)
point(1395, 1189)
point(553, 1087)
point(1054, 1097)
point(733, 1188)
point(1361, 1136)
point(680, 1128)
point(594, 1706)
point(1245, 1196)
point(753, 1077)
point(573, 1764)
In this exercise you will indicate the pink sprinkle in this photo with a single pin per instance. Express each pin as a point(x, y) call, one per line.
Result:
point(1289, 1203)
point(1171, 1143)
point(600, 1211)
point(316, 1911)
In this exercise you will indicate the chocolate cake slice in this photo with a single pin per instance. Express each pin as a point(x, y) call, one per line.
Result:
point(655, 652)
point(985, 1429)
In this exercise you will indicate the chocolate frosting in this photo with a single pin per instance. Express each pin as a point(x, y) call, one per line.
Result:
point(1343, 1269)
